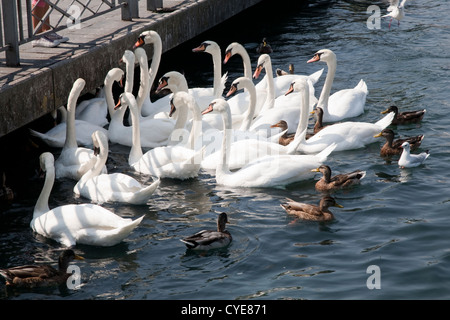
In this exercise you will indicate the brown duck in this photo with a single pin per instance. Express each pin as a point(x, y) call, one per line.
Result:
point(405, 117)
point(339, 181)
point(394, 146)
point(312, 212)
point(31, 276)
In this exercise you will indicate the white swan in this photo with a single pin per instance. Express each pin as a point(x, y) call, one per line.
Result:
point(93, 110)
point(213, 49)
point(346, 135)
point(276, 87)
point(343, 104)
point(148, 108)
point(113, 187)
point(154, 132)
point(74, 161)
point(76, 224)
point(268, 171)
point(408, 160)
point(176, 162)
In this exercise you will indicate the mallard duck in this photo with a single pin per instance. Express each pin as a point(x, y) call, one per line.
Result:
point(408, 160)
point(328, 182)
point(264, 47)
point(281, 72)
point(394, 147)
point(286, 137)
point(210, 239)
point(310, 211)
point(31, 276)
point(405, 117)
point(319, 120)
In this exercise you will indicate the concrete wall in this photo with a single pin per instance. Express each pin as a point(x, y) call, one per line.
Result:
point(44, 90)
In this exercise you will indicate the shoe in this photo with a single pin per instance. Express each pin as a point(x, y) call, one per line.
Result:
point(45, 42)
point(55, 36)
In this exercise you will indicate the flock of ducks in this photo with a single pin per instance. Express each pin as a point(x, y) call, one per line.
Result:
point(195, 129)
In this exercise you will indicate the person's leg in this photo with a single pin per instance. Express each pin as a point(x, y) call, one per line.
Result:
point(39, 11)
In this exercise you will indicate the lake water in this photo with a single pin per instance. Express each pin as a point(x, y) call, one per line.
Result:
point(397, 219)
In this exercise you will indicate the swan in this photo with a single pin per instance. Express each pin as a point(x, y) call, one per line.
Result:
point(74, 161)
point(176, 162)
point(243, 151)
point(154, 132)
point(347, 135)
point(76, 223)
point(213, 49)
point(396, 11)
point(408, 160)
point(267, 171)
point(114, 187)
point(343, 104)
point(276, 87)
point(93, 110)
point(148, 108)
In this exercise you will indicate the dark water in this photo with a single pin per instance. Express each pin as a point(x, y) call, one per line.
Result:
point(397, 219)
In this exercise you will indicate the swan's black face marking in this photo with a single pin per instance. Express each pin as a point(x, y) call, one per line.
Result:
point(172, 108)
point(316, 57)
point(163, 82)
point(291, 89)
point(228, 55)
point(209, 109)
point(233, 89)
point(139, 43)
point(96, 151)
point(201, 48)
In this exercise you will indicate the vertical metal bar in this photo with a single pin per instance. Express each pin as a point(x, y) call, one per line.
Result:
point(20, 17)
point(11, 37)
point(130, 9)
point(29, 19)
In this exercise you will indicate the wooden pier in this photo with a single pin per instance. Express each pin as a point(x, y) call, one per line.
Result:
point(45, 76)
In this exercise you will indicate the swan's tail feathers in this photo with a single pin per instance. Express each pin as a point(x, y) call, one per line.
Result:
point(314, 77)
point(323, 155)
point(386, 121)
point(298, 139)
point(362, 86)
point(223, 81)
point(50, 141)
point(143, 195)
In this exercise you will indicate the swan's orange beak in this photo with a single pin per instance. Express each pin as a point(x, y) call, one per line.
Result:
point(200, 48)
point(227, 56)
point(139, 43)
point(276, 125)
point(290, 90)
point(208, 110)
point(257, 71)
point(314, 59)
point(117, 105)
point(162, 84)
point(121, 82)
point(172, 108)
point(232, 90)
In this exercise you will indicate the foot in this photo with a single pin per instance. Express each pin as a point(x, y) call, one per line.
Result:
point(54, 36)
point(46, 42)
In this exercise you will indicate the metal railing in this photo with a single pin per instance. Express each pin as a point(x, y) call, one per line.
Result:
point(16, 19)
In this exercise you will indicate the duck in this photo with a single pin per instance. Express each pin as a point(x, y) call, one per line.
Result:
point(394, 147)
point(347, 135)
point(213, 49)
point(285, 138)
point(210, 239)
point(405, 117)
point(33, 276)
point(343, 104)
point(396, 11)
point(277, 170)
point(74, 161)
point(339, 181)
point(312, 212)
point(409, 160)
point(318, 111)
point(113, 187)
point(180, 161)
point(72, 224)
point(281, 72)
point(264, 47)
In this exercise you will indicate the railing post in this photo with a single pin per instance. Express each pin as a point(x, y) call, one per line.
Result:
point(130, 9)
point(10, 29)
point(153, 5)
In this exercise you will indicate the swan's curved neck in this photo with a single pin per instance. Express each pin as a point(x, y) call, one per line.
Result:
point(246, 61)
point(71, 138)
point(99, 164)
point(41, 206)
point(270, 99)
point(144, 88)
point(217, 64)
point(196, 129)
point(109, 95)
point(226, 142)
point(156, 60)
point(136, 149)
point(326, 90)
point(249, 114)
